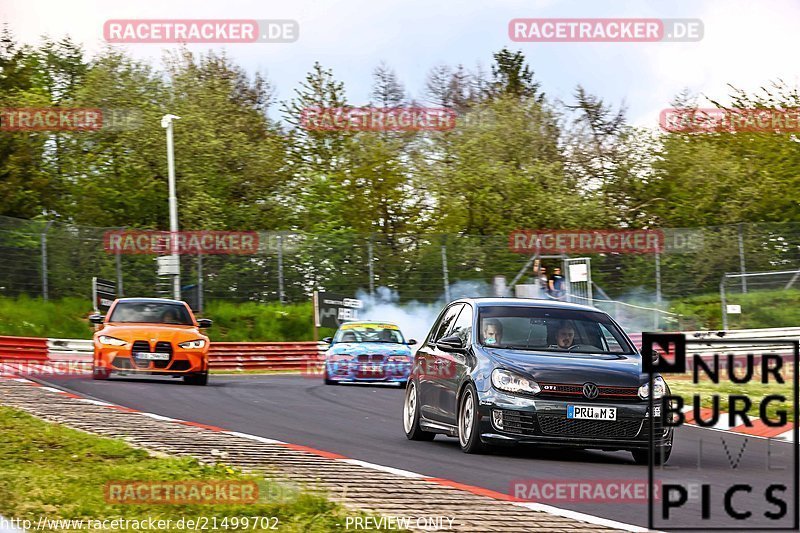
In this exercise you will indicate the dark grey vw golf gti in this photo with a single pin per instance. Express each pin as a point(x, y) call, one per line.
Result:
point(505, 371)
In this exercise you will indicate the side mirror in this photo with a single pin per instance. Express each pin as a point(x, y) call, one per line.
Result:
point(453, 343)
point(96, 319)
point(328, 340)
point(411, 342)
point(656, 355)
point(204, 323)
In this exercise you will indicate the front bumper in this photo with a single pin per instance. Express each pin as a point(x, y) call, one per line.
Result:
point(544, 421)
point(354, 371)
point(120, 360)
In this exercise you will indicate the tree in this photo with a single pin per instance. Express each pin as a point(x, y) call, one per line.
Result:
point(511, 76)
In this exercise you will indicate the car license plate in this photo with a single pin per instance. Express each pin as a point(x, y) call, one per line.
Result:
point(591, 412)
point(149, 356)
point(371, 368)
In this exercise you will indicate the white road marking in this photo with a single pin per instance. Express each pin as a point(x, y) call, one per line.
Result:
point(389, 469)
point(159, 417)
point(95, 402)
point(583, 517)
point(254, 437)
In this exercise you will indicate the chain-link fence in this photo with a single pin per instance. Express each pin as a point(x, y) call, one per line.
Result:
point(54, 260)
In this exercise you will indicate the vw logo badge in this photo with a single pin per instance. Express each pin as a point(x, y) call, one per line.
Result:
point(590, 390)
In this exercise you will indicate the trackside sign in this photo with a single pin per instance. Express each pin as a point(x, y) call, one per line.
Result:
point(587, 241)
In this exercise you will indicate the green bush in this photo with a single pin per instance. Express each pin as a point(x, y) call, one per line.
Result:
point(33, 317)
point(253, 321)
point(760, 309)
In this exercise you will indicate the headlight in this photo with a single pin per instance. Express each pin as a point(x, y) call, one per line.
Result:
point(659, 389)
point(340, 358)
point(511, 382)
point(113, 341)
point(193, 345)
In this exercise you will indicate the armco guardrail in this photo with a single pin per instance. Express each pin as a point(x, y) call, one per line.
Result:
point(70, 349)
point(299, 355)
point(264, 355)
point(223, 355)
point(23, 349)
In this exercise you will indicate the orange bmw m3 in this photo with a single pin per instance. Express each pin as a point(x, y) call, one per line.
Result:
point(150, 336)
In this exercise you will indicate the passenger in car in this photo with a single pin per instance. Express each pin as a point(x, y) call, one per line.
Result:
point(492, 331)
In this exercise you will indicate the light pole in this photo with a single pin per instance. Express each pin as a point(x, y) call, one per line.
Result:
point(166, 122)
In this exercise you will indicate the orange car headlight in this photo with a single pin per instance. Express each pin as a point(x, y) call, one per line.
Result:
point(193, 345)
point(111, 341)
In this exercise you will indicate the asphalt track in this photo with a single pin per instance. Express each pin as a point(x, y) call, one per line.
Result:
point(364, 422)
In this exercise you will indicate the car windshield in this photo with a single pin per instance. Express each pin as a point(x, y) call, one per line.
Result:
point(550, 330)
point(151, 313)
point(369, 333)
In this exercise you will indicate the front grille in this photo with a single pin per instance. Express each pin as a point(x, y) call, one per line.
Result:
point(619, 391)
point(370, 358)
point(603, 429)
point(144, 346)
point(140, 346)
point(561, 390)
point(163, 347)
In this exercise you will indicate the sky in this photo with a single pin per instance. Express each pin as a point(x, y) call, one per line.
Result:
point(746, 44)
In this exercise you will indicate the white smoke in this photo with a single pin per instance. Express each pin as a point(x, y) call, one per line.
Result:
point(415, 318)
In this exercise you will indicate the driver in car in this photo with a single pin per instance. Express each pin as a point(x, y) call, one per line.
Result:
point(170, 316)
point(565, 336)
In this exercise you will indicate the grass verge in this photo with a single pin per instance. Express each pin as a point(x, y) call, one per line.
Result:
point(48, 470)
point(67, 318)
point(756, 392)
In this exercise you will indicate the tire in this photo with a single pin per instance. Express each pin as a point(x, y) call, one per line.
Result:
point(411, 415)
point(196, 379)
point(328, 381)
point(642, 457)
point(469, 433)
point(100, 373)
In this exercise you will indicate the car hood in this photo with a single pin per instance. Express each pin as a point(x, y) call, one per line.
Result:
point(151, 332)
point(369, 348)
point(605, 369)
